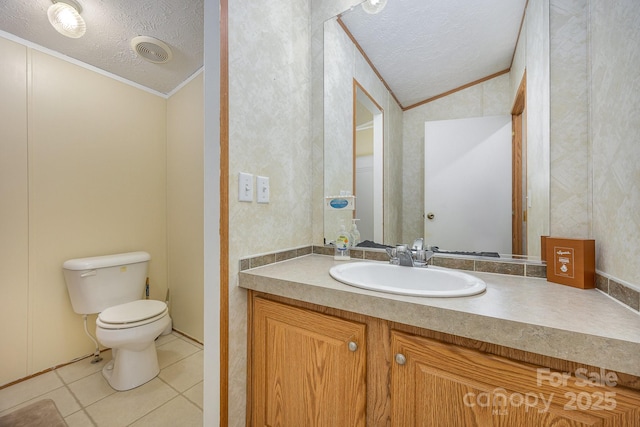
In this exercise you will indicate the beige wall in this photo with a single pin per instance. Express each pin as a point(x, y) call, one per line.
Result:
point(185, 232)
point(14, 220)
point(96, 177)
point(615, 123)
point(570, 185)
point(269, 135)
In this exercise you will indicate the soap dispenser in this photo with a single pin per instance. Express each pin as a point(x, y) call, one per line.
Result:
point(355, 233)
point(343, 241)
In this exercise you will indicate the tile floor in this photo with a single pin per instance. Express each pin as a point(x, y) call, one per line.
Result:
point(84, 398)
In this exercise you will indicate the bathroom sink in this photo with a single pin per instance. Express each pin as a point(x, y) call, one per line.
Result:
point(416, 281)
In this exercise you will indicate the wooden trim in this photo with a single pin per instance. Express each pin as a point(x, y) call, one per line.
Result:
point(516, 185)
point(524, 16)
point(366, 58)
point(224, 213)
point(250, 349)
point(357, 84)
point(442, 95)
point(517, 168)
point(468, 85)
point(354, 133)
point(53, 368)
point(62, 365)
point(521, 96)
point(187, 336)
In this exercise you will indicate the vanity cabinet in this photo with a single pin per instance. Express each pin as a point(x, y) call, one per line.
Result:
point(308, 368)
point(314, 366)
point(434, 383)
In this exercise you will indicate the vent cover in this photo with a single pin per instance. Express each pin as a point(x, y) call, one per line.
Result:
point(151, 49)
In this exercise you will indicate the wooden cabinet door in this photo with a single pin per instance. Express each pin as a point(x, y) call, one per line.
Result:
point(308, 369)
point(437, 384)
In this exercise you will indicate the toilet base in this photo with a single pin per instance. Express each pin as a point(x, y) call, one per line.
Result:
point(130, 369)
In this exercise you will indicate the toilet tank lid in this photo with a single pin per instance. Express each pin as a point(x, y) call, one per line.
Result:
point(106, 261)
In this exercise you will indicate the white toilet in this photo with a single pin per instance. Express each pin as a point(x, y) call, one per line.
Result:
point(112, 285)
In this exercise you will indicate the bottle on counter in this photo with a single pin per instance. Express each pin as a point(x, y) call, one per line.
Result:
point(343, 242)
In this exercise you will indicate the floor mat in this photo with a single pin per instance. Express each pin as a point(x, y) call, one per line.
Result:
point(42, 413)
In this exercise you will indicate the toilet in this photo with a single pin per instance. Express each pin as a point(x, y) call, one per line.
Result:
point(113, 285)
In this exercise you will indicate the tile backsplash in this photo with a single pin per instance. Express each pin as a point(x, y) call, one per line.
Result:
point(516, 268)
point(623, 293)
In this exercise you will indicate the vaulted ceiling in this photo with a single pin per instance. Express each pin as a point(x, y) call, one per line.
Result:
point(421, 48)
point(110, 27)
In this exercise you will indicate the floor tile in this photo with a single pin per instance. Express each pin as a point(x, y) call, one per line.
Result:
point(196, 394)
point(90, 389)
point(177, 412)
point(192, 342)
point(123, 408)
point(185, 373)
point(85, 399)
point(174, 351)
point(62, 397)
point(163, 339)
point(29, 389)
point(79, 419)
point(83, 368)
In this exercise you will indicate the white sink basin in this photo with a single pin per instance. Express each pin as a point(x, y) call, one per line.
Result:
point(416, 281)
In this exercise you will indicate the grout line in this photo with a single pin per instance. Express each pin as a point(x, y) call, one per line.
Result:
point(175, 336)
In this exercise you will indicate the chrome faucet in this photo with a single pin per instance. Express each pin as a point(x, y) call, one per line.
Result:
point(414, 257)
point(418, 244)
point(405, 257)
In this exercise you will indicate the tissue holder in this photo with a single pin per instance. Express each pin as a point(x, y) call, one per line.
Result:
point(571, 262)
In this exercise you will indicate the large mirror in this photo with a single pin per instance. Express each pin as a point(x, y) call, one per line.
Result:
point(518, 91)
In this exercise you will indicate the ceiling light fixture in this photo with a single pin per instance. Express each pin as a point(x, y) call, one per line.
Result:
point(374, 6)
point(65, 17)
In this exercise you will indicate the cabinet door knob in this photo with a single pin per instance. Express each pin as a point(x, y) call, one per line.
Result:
point(353, 346)
point(400, 359)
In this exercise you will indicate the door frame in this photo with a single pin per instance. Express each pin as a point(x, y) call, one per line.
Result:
point(518, 169)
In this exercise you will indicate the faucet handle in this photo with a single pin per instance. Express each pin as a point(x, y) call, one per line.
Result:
point(422, 257)
point(418, 244)
point(393, 256)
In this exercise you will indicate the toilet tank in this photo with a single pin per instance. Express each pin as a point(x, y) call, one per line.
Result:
point(97, 283)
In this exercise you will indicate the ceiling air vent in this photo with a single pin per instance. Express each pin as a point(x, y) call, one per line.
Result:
point(151, 49)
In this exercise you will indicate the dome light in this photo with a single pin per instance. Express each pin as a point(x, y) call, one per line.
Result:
point(374, 6)
point(65, 17)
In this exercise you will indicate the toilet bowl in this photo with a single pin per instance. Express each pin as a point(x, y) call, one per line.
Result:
point(112, 286)
point(130, 330)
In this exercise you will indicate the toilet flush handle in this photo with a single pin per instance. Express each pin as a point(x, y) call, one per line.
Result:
point(89, 273)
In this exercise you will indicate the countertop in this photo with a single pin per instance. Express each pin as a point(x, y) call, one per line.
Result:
point(529, 314)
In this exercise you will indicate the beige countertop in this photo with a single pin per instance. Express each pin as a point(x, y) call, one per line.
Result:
point(529, 314)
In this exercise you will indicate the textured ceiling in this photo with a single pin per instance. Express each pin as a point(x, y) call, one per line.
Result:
point(423, 48)
point(110, 27)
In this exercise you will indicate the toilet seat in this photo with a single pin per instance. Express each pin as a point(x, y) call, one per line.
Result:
point(132, 314)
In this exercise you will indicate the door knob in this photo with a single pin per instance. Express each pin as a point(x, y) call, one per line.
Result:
point(431, 215)
point(353, 346)
point(400, 359)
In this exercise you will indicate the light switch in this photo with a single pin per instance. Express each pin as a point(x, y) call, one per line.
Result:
point(245, 187)
point(262, 184)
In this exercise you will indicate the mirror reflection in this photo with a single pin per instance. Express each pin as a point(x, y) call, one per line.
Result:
point(368, 141)
point(348, 70)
